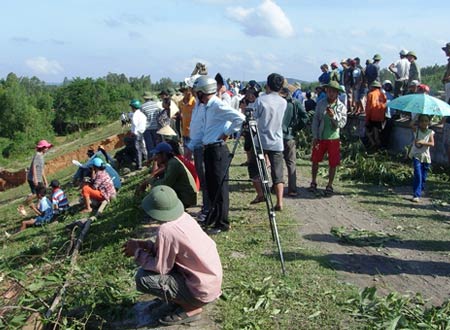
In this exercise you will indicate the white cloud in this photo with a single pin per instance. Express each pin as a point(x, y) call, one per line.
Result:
point(268, 19)
point(44, 66)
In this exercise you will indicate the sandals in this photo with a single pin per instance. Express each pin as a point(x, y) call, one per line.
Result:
point(257, 200)
point(329, 191)
point(312, 187)
point(179, 317)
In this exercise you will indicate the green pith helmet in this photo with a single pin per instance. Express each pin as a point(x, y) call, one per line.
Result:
point(377, 57)
point(135, 104)
point(413, 54)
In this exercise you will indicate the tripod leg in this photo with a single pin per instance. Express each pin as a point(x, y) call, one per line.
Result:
point(263, 175)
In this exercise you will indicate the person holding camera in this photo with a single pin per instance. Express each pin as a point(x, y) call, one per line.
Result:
point(269, 112)
point(330, 116)
point(221, 120)
point(182, 267)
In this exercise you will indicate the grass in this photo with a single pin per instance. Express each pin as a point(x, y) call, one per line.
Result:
point(255, 293)
point(63, 144)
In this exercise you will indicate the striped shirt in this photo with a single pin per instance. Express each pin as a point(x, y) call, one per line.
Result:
point(150, 109)
point(59, 199)
point(38, 164)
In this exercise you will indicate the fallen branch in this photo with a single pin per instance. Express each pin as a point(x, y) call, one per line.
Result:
point(28, 291)
point(20, 307)
point(73, 260)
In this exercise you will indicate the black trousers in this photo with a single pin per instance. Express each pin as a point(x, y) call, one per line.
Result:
point(216, 159)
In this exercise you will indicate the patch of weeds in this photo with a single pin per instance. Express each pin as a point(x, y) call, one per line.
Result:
point(260, 301)
point(397, 311)
point(361, 237)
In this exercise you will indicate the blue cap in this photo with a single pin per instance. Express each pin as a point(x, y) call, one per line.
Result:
point(162, 147)
point(97, 162)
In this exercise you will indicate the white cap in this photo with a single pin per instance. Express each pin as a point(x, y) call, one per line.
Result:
point(387, 81)
point(403, 52)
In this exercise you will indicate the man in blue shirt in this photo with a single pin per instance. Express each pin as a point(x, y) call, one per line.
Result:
point(220, 120)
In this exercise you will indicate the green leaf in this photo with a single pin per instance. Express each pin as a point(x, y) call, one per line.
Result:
point(393, 323)
point(276, 311)
point(259, 303)
point(314, 315)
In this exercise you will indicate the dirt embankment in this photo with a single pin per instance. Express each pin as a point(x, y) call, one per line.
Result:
point(13, 179)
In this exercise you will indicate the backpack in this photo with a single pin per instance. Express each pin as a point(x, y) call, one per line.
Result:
point(299, 118)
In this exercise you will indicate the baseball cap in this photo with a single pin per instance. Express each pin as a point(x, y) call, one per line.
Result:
point(162, 147)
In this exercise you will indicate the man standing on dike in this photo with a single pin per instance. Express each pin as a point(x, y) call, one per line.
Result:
point(221, 120)
point(330, 116)
point(150, 109)
point(138, 125)
point(269, 113)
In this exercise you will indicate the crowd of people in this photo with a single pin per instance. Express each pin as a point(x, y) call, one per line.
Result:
point(184, 142)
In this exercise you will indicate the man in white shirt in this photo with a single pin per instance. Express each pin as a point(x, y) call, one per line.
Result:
point(221, 120)
point(400, 69)
point(138, 126)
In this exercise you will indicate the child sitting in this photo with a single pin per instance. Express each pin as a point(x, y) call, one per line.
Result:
point(43, 209)
point(420, 154)
point(59, 199)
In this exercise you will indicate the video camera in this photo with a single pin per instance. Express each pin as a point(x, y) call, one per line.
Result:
point(248, 112)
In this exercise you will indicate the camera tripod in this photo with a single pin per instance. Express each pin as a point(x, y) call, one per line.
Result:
point(250, 126)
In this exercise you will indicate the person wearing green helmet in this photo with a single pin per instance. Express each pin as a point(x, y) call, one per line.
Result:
point(373, 70)
point(138, 126)
point(414, 70)
point(181, 267)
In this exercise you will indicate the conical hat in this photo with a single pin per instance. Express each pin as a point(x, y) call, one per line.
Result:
point(167, 131)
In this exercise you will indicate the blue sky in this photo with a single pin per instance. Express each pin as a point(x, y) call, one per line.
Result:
point(244, 40)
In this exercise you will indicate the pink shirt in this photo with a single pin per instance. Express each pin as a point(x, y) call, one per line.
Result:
point(182, 243)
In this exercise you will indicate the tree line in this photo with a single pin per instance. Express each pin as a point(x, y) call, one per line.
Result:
point(31, 110)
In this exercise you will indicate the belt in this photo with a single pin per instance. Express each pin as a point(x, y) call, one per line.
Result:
point(214, 145)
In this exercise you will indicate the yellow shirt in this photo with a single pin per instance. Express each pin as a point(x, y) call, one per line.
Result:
point(186, 114)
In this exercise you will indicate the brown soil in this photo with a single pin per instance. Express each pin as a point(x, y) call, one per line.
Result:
point(402, 266)
point(13, 179)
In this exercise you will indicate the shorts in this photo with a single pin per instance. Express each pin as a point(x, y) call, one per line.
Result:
point(33, 187)
point(42, 219)
point(172, 285)
point(276, 166)
point(332, 147)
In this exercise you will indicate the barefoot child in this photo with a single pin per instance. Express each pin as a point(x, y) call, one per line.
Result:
point(420, 154)
point(43, 209)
